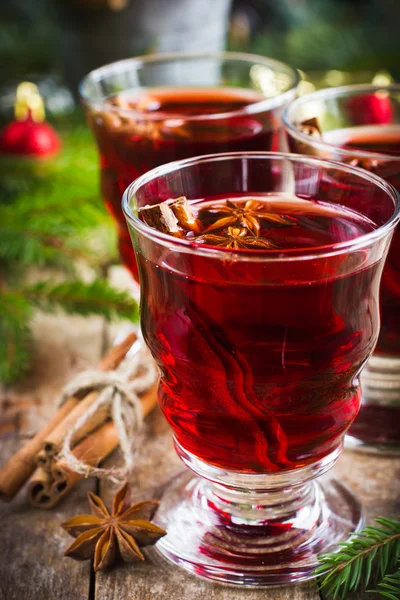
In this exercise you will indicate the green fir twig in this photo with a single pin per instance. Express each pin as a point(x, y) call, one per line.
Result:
point(52, 215)
point(77, 297)
point(374, 552)
point(15, 335)
point(389, 587)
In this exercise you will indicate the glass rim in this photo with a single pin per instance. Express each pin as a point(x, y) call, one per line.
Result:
point(286, 255)
point(138, 61)
point(340, 91)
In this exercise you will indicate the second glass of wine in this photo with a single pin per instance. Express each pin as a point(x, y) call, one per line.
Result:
point(360, 125)
point(151, 110)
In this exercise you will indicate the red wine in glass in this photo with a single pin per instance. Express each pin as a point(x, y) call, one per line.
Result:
point(170, 125)
point(259, 278)
point(381, 139)
point(260, 377)
point(358, 125)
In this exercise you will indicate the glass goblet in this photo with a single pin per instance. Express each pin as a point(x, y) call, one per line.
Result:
point(260, 351)
point(150, 110)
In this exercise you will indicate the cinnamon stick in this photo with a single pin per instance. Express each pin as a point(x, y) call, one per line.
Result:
point(182, 211)
point(161, 217)
point(149, 399)
point(93, 450)
point(52, 444)
point(173, 216)
point(311, 127)
point(23, 463)
point(39, 489)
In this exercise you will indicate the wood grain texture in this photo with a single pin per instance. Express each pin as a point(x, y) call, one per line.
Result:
point(32, 541)
point(156, 581)
point(32, 548)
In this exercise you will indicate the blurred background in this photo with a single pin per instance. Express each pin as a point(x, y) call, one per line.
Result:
point(54, 229)
point(332, 41)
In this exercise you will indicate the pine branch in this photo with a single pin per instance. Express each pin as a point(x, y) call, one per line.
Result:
point(97, 297)
point(27, 248)
point(372, 550)
point(51, 214)
point(389, 587)
point(15, 337)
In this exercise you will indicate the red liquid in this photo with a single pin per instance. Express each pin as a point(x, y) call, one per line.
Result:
point(384, 139)
point(260, 360)
point(132, 144)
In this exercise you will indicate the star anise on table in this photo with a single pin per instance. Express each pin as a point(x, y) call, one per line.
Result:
point(120, 534)
point(248, 216)
point(235, 238)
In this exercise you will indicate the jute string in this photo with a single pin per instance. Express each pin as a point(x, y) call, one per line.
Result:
point(118, 390)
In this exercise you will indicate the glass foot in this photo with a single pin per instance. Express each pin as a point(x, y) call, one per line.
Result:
point(250, 537)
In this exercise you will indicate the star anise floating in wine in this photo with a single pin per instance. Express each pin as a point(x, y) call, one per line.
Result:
point(235, 238)
point(250, 216)
point(225, 224)
point(108, 536)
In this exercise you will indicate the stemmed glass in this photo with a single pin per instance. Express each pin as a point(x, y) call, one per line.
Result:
point(260, 353)
point(147, 111)
point(360, 125)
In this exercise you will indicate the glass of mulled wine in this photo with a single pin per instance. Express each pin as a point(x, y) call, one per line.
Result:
point(259, 284)
point(147, 111)
point(360, 125)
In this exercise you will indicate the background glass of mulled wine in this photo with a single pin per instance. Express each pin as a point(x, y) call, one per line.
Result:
point(360, 125)
point(260, 353)
point(147, 111)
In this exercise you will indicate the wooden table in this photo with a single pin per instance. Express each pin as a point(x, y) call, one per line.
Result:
point(32, 542)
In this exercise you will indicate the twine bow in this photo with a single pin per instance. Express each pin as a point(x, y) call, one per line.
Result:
point(119, 391)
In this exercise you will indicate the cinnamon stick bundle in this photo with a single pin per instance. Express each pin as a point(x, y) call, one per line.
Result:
point(53, 441)
point(22, 464)
point(46, 488)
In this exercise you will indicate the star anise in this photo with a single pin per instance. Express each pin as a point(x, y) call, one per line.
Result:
point(235, 238)
point(109, 536)
point(248, 216)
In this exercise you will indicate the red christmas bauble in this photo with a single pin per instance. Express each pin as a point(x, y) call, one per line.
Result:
point(28, 138)
point(375, 108)
point(29, 135)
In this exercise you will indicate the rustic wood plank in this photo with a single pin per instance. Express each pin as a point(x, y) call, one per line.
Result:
point(32, 547)
point(32, 541)
point(375, 480)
